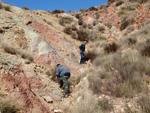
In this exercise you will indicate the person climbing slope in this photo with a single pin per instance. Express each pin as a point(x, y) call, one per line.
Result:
point(82, 51)
point(63, 73)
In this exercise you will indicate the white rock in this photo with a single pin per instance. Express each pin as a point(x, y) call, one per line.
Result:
point(79, 98)
point(48, 99)
point(58, 111)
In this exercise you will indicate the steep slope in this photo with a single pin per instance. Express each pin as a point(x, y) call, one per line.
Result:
point(114, 79)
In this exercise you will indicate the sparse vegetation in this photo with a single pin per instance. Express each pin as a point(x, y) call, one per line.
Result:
point(14, 51)
point(65, 20)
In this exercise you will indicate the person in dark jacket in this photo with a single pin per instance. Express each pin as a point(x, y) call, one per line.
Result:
point(82, 50)
point(63, 73)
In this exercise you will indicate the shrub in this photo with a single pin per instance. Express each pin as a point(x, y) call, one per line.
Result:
point(108, 25)
point(58, 11)
point(68, 30)
point(25, 8)
point(145, 51)
point(84, 25)
point(144, 103)
point(95, 84)
point(97, 15)
point(78, 16)
point(94, 23)
point(83, 35)
point(129, 30)
point(143, 1)
point(121, 12)
point(74, 28)
point(101, 28)
point(51, 73)
point(111, 47)
point(26, 55)
point(130, 68)
point(10, 49)
point(65, 20)
point(119, 3)
point(7, 8)
point(90, 26)
point(126, 22)
point(93, 9)
point(74, 35)
point(80, 22)
point(90, 55)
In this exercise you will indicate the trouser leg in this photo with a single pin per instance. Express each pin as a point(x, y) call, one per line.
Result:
point(82, 57)
point(65, 78)
point(61, 84)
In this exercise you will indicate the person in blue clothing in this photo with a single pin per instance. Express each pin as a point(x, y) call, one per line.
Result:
point(63, 73)
point(82, 50)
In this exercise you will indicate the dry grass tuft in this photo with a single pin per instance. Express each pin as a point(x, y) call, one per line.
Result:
point(144, 103)
point(87, 104)
point(95, 84)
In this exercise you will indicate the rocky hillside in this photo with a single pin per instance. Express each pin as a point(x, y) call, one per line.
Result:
point(115, 78)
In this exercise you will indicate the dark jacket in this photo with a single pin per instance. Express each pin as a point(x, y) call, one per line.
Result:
point(82, 47)
point(61, 71)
